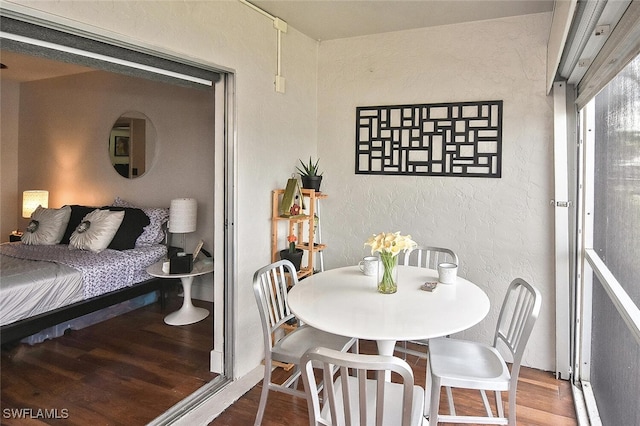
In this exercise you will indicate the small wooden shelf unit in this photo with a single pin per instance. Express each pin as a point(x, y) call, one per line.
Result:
point(302, 226)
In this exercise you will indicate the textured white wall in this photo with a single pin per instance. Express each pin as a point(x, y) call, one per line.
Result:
point(9, 211)
point(273, 130)
point(500, 228)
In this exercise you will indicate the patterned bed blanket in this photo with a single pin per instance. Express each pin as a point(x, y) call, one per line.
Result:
point(102, 272)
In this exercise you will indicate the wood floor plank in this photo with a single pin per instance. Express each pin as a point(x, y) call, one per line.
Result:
point(541, 400)
point(124, 371)
point(117, 374)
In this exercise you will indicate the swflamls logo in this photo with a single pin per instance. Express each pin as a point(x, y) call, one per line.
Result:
point(35, 413)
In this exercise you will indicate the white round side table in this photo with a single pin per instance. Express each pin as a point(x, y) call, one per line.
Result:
point(188, 314)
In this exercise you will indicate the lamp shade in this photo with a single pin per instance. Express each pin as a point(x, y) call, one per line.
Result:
point(183, 215)
point(32, 199)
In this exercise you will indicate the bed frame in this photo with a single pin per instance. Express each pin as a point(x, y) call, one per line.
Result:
point(28, 326)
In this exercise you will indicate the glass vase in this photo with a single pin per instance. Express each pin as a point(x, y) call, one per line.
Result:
point(388, 274)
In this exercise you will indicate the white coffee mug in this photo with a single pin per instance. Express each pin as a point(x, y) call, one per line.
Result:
point(447, 273)
point(369, 265)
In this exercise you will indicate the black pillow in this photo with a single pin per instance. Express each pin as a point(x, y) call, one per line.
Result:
point(131, 228)
point(77, 214)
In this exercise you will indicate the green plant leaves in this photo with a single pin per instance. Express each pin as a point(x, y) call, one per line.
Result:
point(310, 169)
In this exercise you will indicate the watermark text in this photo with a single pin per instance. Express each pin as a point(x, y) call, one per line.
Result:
point(35, 413)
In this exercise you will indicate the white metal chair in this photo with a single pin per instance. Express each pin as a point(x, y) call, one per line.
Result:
point(358, 400)
point(471, 365)
point(270, 290)
point(425, 257)
point(429, 257)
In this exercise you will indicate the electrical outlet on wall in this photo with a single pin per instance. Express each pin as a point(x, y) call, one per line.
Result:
point(280, 84)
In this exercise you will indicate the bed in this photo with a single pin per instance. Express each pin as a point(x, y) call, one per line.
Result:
point(66, 273)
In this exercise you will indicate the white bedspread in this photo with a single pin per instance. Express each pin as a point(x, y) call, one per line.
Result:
point(29, 287)
point(99, 273)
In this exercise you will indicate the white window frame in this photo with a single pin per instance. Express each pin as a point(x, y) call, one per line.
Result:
point(562, 209)
point(575, 40)
point(590, 263)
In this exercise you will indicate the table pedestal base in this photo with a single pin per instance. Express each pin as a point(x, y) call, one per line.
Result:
point(188, 314)
point(386, 347)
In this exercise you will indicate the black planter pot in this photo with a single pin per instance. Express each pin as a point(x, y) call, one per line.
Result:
point(295, 257)
point(311, 182)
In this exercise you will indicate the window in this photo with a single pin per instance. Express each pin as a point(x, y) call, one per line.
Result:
point(617, 178)
point(611, 359)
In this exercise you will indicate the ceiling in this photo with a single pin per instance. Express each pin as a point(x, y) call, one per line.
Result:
point(326, 20)
point(334, 19)
point(21, 68)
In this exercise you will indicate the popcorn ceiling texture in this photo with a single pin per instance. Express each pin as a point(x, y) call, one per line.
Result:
point(500, 228)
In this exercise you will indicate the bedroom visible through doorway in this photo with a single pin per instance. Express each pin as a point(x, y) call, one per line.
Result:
point(218, 208)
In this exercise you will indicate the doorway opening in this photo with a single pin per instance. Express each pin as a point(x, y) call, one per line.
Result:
point(60, 43)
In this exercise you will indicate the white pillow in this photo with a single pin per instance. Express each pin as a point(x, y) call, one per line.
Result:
point(96, 230)
point(154, 232)
point(47, 226)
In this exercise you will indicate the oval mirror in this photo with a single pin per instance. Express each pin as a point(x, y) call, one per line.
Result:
point(132, 144)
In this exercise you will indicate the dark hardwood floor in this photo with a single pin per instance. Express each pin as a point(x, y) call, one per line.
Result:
point(124, 371)
point(132, 368)
point(541, 400)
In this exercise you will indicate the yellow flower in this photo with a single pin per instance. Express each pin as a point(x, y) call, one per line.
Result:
point(390, 243)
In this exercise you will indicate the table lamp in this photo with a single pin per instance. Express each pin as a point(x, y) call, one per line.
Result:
point(183, 217)
point(32, 199)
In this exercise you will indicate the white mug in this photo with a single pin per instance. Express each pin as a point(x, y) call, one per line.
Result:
point(447, 273)
point(369, 265)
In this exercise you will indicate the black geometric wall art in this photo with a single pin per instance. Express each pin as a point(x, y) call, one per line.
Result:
point(444, 139)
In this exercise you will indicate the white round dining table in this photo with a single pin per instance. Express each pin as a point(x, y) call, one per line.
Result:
point(344, 301)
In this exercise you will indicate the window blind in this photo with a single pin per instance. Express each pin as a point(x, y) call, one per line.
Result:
point(71, 46)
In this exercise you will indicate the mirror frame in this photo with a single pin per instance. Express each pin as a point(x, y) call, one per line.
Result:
point(130, 158)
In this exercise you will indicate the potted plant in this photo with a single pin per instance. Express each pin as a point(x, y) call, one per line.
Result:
point(293, 254)
point(311, 179)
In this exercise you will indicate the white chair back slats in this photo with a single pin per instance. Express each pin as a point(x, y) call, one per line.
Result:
point(365, 399)
point(516, 322)
point(429, 257)
point(425, 257)
point(284, 344)
point(454, 363)
point(273, 289)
